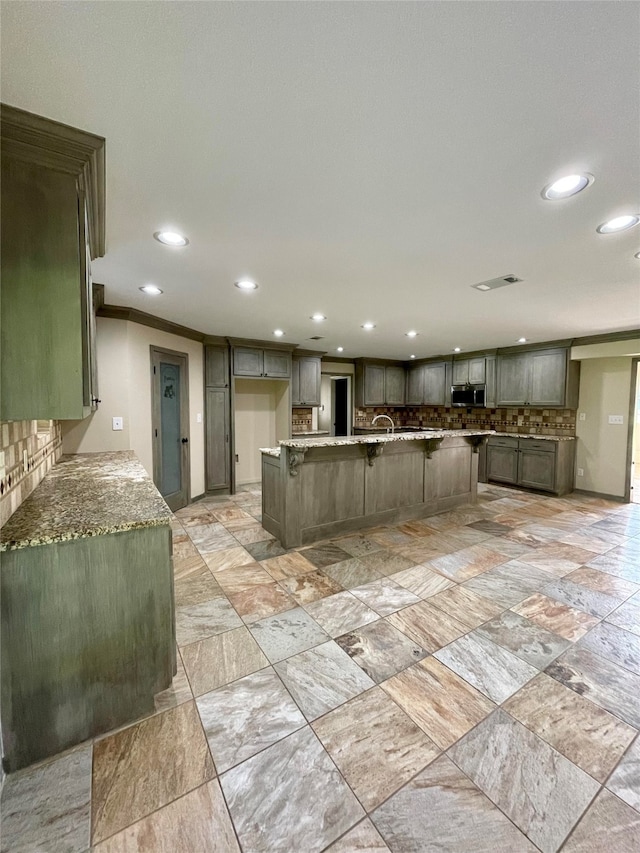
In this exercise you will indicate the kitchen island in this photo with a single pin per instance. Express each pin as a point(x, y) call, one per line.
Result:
point(316, 488)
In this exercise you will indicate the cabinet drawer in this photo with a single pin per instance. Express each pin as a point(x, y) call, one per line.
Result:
point(532, 444)
point(503, 441)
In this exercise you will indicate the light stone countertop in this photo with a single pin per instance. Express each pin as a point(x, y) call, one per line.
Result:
point(378, 438)
point(537, 437)
point(87, 494)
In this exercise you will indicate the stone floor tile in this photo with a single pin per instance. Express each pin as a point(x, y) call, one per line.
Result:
point(218, 660)
point(242, 718)
point(509, 583)
point(146, 766)
point(541, 791)
point(466, 563)
point(177, 693)
point(422, 581)
point(251, 534)
point(375, 745)
point(196, 588)
point(608, 825)
point(228, 558)
point(287, 566)
point(466, 606)
point(48, 806)
point(225, 514)
point(322, 678)
point(305, 805)
point(619, 563)
point(598, 541)
point(555, 616)
point(385, 596)
point(310, 587)
point(584, 733)
point(511, 550)
point(615, 644)
point(341, 613)
point(325, 555)
point(380, 649)
point(600, 581)
point(491, 669)
point(198, 621)
point(581, 597)
point(524, 638)
point(558, 558)
point(198, 821)
point(613, 688)
point(211, 537)
point(494, 528)
point(625, 781)
point(258, 602)
point(265, 550)
point(442, 805)
point(286, 634)
point(627, 616)
point(439, 701)
point(427, 625)
point(363, 838)
point(386, 562)
point(358, 545)
point(241, 578)
point(353, 572)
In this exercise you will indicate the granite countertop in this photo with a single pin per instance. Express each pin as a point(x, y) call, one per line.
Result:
point(312, 432)
point(88, 494)
point(271, 451)
point(384, 438)
point(537, 437)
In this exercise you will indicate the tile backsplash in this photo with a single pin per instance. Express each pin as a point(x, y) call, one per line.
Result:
point(301, 420)
point(524, 420)
point(19, 475)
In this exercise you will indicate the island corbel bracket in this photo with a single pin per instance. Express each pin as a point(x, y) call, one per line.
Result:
point(373, 451)
point(296, 458)
point(431, 445)
point(476, 441)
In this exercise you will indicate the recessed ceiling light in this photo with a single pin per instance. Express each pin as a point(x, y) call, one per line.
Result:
point(412, 356)
point(340, 349)
point(637, 255)
point(456, 349)
point(171, 238)
point(151, 289)
point(368, 326)
point(246, 284)
point(482, 287)
point(411, 334)
point(278, 333)
point(620, 223)
point(521, 341)
point(318, 317)
point(567, 186)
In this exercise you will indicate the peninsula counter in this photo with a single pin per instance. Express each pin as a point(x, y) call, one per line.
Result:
point(316, 488)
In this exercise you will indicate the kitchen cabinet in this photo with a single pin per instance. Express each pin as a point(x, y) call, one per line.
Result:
point(427, 385)
point(267, 363)
point(538, 378)
point(305, 381)
point(217, 419)
point(52, 223)
point(216, 366)
point(394, 386)
point(415, 386)
point(541, 464)
point(469, 371)
point(379, 384)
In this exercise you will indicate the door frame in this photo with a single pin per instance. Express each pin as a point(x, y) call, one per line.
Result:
point(156, 426)
point(631, 426)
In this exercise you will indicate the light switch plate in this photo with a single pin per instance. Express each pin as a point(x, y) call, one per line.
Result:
point(117, 424)
point(582, 416)
point(580, 472)
point(199, 418)
point(616, 419)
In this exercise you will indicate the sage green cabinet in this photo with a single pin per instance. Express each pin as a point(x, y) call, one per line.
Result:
point(252, 361)
point(394, 386)
point(305, 381)
point(541, 464)
point(469, 371)
point(538, 378)
point(216, 366)
point(52, 223)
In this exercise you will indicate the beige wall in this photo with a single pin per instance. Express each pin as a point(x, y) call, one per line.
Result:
point(262, 418)
point(124, 383)
point(605, 389)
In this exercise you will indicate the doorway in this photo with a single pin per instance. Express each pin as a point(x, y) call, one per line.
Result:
point(170, 425)
point(633, 493)
point(340, 405)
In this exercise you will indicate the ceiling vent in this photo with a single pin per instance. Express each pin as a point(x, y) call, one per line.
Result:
point(494, 283)
point(317, 338)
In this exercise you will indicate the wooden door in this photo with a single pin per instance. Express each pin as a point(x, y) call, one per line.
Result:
point(548, 378)
point(216, 367)
point(374, 376)
point(277, 364)
point(502, 464)
point(435, 384)
point(217, 439)
point(394, 386)
point(247, 361)
point(513, 380)
point(537, 469)
point(170, 425)
point(415, 386)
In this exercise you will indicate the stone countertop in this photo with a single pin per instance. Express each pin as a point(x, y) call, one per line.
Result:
point(85, 495)
point(271, 451)
point(311, 432)
point(537, 437)
point(377, 438)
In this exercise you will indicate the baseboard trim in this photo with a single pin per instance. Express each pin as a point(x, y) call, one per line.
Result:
point(603, 495)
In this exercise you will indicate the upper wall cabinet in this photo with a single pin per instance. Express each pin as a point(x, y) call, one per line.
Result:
point(306, 380)
point(538, 378)
point(216, 366)
point(379, 384)
point(469, 371)
point(53, 225)
point(253, 361)
point(427, 384)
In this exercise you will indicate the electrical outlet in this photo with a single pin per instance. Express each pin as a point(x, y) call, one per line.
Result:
point(582, 416)
point(580, 472)
point(616, 419)
point(199, 418)
point(118, 424)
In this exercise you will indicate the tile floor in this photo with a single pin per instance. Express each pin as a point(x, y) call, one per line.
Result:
point(467, 682)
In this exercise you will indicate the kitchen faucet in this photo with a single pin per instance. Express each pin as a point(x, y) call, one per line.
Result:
point(377, 418)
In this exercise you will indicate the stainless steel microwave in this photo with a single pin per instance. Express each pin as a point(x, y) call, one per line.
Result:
point(468, 396)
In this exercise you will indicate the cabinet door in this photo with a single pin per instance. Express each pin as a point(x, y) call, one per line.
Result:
point(247, 362)
point(415, 386)
point(374, 385)
point(490, 382)
point(217, 438)
point(295, 383)
point(277, 363)
point(548, 378)
point(513, 380)
point(502, 464)
point(309, 381)
point(434, 384)
point(537, 469)
point(461, 372)
point(394, 386)
point(477, 374)
point(216, 367)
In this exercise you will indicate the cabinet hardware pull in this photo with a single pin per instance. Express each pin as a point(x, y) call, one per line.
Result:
point(185, 441)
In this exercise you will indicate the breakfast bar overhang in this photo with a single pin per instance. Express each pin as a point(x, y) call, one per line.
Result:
point(317, 488)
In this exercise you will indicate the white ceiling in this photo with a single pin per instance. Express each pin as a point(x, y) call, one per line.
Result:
point(367, 160)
